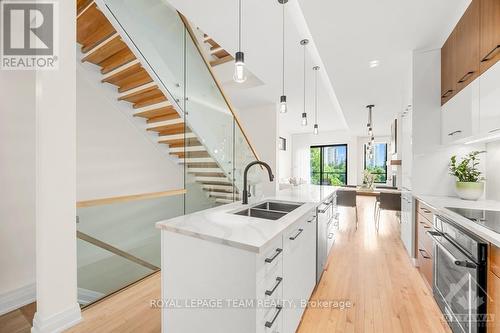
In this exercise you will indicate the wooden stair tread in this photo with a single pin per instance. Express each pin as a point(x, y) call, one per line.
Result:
point(221, 53)
point(169, 129)
point(92, 27)
point(81, 5)
point(135, 80)
point(173, 115)
point(221, 61)
point(150, 100)
point(156, 113)
point(112, 46)
point(142, 94)
point(116, 60)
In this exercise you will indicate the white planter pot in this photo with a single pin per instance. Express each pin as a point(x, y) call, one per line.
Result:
point(469, 190)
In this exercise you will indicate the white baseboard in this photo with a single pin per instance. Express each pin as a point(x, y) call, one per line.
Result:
point(58, 322)
point(17, 298)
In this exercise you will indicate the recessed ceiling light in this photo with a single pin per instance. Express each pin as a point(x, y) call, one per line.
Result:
point(374, 63)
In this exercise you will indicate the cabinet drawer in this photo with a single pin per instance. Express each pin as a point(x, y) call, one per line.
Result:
point(493, 306)
point(424, 241)
point(270, 261)
point(424, 261)
point(425, 211)
point(494, 258)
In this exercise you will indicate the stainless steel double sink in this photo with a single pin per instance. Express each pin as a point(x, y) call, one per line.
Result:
point(270, 210)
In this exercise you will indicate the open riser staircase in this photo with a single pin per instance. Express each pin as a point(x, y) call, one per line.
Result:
point(102, 45)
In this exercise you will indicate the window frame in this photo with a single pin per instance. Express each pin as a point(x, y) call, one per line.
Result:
point(321, 160)
point(385, 164)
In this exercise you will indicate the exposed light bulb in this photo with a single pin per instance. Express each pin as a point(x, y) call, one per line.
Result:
point(316, 129)
point(240, 75)
point(283, 106)
point(304, 119)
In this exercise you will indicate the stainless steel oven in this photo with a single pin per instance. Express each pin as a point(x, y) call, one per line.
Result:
point(459, 276)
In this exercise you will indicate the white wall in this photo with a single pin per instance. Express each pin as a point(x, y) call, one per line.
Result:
point(260, 124)
point(431, 170)
point(492, 171)
point(114, 157)
point(301, 144)
point(17, 179)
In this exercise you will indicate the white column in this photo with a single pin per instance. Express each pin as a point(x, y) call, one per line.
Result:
point(56, 264)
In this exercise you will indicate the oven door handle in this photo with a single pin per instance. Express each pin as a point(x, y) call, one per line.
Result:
point(462, 263)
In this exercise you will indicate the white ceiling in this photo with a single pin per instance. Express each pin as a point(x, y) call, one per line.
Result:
point(350, 34)
point(345, 36)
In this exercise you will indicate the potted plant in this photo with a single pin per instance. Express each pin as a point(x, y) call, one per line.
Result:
point(469, 184)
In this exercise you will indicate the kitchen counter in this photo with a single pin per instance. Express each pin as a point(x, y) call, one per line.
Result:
point(247, 233)
point(439, 203)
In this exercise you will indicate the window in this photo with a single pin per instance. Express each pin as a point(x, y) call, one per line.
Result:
point(329, 165)
point(377, 164)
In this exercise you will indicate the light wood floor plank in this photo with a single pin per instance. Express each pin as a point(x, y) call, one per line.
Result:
point(371, 269)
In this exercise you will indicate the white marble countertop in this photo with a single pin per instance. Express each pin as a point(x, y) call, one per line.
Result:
point(439, 203)
point(248, 233)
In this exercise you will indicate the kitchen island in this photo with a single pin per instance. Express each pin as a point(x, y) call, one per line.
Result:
point(225, 272)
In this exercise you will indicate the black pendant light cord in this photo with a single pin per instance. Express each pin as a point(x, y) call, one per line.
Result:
point(283, 64)
point(239, 25)
point(316, 96)
point(304, 78)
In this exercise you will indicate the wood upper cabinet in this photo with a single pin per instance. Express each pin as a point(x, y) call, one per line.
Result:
point(490, 33)
point(467, 46)
point(448, 86)
point(472, 47)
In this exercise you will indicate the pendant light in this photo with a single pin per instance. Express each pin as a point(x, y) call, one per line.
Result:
point(304, 43)
point(369, 125)
point(316, 130)
point(283, 106)
point(240, 74)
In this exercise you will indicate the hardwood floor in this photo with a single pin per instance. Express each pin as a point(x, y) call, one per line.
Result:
point(372, 271)
point(18, 321)
point(126, 311)
point(368, 269)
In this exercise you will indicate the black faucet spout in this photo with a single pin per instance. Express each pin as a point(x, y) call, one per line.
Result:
point(269, 171)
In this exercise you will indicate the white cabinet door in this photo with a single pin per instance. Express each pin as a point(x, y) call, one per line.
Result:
point(489, 101)
point(460, 115)
point(299, 272)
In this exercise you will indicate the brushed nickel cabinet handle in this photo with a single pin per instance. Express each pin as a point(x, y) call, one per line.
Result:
point(277, 253)
point(278, 281)
point(454, 132)
point(447, 93)
point(487, 56)
point(269, 324)
point(465, 77)
point(297, 234)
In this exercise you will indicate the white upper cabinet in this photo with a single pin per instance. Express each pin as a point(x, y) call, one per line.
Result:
point(460, 115)
point(489, 101)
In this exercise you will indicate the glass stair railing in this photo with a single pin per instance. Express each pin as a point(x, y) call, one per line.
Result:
point(164, 42)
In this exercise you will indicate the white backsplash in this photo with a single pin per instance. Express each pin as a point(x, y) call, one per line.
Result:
point(493, 171)
point(431, 170)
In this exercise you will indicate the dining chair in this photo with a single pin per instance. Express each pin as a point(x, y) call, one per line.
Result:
point(347, 198)
point(387, 201)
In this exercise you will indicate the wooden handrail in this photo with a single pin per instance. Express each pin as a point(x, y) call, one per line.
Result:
point(115, 250)
point(126, 198)
point(187, 25)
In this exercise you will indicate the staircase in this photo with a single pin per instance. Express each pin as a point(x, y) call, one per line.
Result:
point(103, 46)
